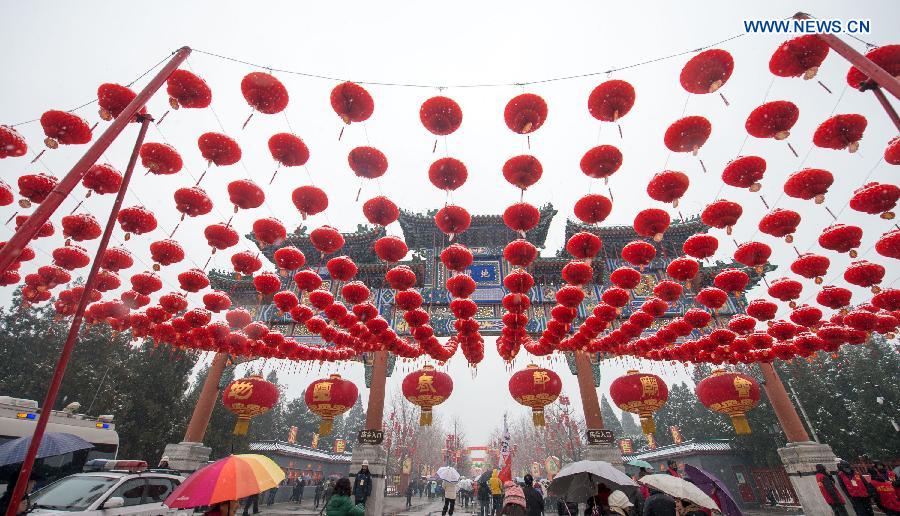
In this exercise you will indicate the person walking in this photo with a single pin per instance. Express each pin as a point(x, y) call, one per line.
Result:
point(619, 504)
point(327, 491)
point(362, 486)
point(659, 504)
point(295, 490)
point(564, 508)
point(856, 488)
point(496, 488)
point(270, 496)
point(449, 489)
point(301, 485)
point(252, 499)
point(534, 502)
point(409, 493)
point(513, 500)
point(829, 492)
point(340, 503)
point(317, 493)
point(483, 491)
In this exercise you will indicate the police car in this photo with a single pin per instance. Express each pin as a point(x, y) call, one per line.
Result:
point(109, 488)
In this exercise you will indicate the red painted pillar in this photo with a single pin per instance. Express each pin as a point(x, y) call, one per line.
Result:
point(375, 408)
point(588, 390)
point(43, 212)
point(69, 346)
point(207, 401)
point(781, 403)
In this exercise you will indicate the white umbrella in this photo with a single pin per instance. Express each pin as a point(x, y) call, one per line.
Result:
point(579, 480)
point(679, 488)
point(465, 484)
point(448, 473)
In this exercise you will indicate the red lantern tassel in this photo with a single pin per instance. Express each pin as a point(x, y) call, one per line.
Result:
point(648, 426)
point(537, 417)
point(741, 426)
point(242, 425)
point(326, 426)
point(425, 418)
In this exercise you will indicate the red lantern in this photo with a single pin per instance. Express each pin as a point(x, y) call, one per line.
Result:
point(6, 193)
point(834, 297)
point(427, 388)
point(762, 310)
point(447, 174)
point(780, 223)
point(799, 56)
point(289, 258)
point(876, 198)
point(193, 280)
point(730, 393)
point(525, 113)
point(722, 214)
point(638, 253)
point(245, 262)
point(745, 172)
point(269, 231)
point(810, 183)
point(36, 187)
point(64, 128)
point(583, 245)
point(683, 269)
point(245, 194)
point(160, 158)
point(889, 244)
point(113, 99)
point(391, 249)
point(400, 277)
point(707, 71)
point(187, 90)
point(840, 132)
point(687, 134)
point(712, 298)
point(309, 200)
point(865, 274)
point(288, 150)
point(786, 289)
point(535, 387)
point(219, 149)
point(456, 257)
point(267, 283)
point(841, 238)
point(166, 252)
point(811, 266)
point(641, 394)
point(520, 253)
point(772, 120)
point(668, 186)
point(521, 217)
point(521, 171)
point(12, 144)
point(216, 301)
point(651, 223)
point(380, 211)
point(220, 236)
point(329, 398)
point(247, 398)
point(103, 179)
point(700, 246)
point(146, 283)
point(452, 220)
point(264, 93)
point(81, 227)
point(593, 208)
point(731, 280)
point(611, 100)
point(326, 239)
point(601, 161)
point(440, 115)
point(341, 268)
point(891, 152)
point(352, 102)
point(625, 277)
point(367, 162)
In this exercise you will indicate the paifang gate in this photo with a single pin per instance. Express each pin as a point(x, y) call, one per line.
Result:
point(486, 238)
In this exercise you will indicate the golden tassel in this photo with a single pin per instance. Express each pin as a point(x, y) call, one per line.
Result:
point(425, 417)
point(648, 426)
point(242, 425)
point(741, 425)
point(537, 416)
point(326, 426)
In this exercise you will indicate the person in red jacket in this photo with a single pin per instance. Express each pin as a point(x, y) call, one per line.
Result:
point(886, 497)
point(829, 492)
point(856, 487)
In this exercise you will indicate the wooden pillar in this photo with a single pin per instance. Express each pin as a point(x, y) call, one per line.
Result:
point(375, 410)
point(207, 401)
point(784, 409)
point(589, 400)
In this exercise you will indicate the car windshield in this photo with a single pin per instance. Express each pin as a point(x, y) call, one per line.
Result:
point(75, 493)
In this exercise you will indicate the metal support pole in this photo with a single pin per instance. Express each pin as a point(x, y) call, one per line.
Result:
point(861, 62)
point(30, 227)
point(883, 100)
point(69, 346)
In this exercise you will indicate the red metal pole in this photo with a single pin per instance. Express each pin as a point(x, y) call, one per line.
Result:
point(886, 104)
point(861, 62)
point(68, 347)
point(30, 227)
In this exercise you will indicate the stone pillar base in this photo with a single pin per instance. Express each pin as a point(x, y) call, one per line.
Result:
point(187, 456)
point(610, 454)
point(800, 461)
point(377, 457)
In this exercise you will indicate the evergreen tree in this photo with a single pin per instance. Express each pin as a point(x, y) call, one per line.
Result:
point(630, 428)
point(610, 421)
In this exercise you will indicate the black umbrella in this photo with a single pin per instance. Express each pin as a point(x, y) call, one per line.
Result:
point(53, 444)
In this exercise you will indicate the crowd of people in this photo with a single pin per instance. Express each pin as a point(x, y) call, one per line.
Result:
point(882, 489)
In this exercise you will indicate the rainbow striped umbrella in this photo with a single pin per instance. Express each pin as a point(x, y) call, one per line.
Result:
point(231, 478)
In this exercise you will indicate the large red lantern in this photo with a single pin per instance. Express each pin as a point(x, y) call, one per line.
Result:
point(640, 393)
point(427, 388)
point(329, 398)
point(535, 387)
point(732, 394)
point(249, 397)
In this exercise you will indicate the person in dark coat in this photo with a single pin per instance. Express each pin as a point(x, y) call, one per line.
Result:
point(301, 485)
point(409, 493)
point(856, 488)
point(659, 504)
point(295, 490)
point(672, 468)
point(318, 492)
point(362, 485)
point(599, 500)
point(564, 508)
point(252, 499)
point(534, 502)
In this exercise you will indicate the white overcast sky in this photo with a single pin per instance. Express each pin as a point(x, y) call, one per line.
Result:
point(57, 53)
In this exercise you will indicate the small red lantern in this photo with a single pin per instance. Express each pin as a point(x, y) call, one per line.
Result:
point(730, 393)
point(593, 208)
point(220, 236)
point(601, 161)
point(329, 398)
point(521, 217)
point(113, 99)
point(187, 90)
point(841, 238)
point(889, 244)
point(722, 214)
point(772, 120)
point(367, 162)
point(687, 134)
point(700, 246)
point(219, 149)
point(352, 102)
point(520, 253)
point(269, 231)
point(264, 93)
point(535, 387)
point(780, 223)
point(62, 127)
point(381, 211)
point(447, 174)
point(799, 56)
point(160, 158)
point(840, 132)
point(707, 71)
point(309, 200)
point(875, 198)
point(522, 171)
point(810, 183)
point(247, 398)
point(753, 254)
point(525, 113)
point(12, 144)
point(745, 172)
point(35, 188)
point(440, 115)
point(642, 394)
point(611, 100)
point(452, 220)
point(891, 152)
point(811, 266)
point(102, 178)
point(668, 186)
point(427, 388)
